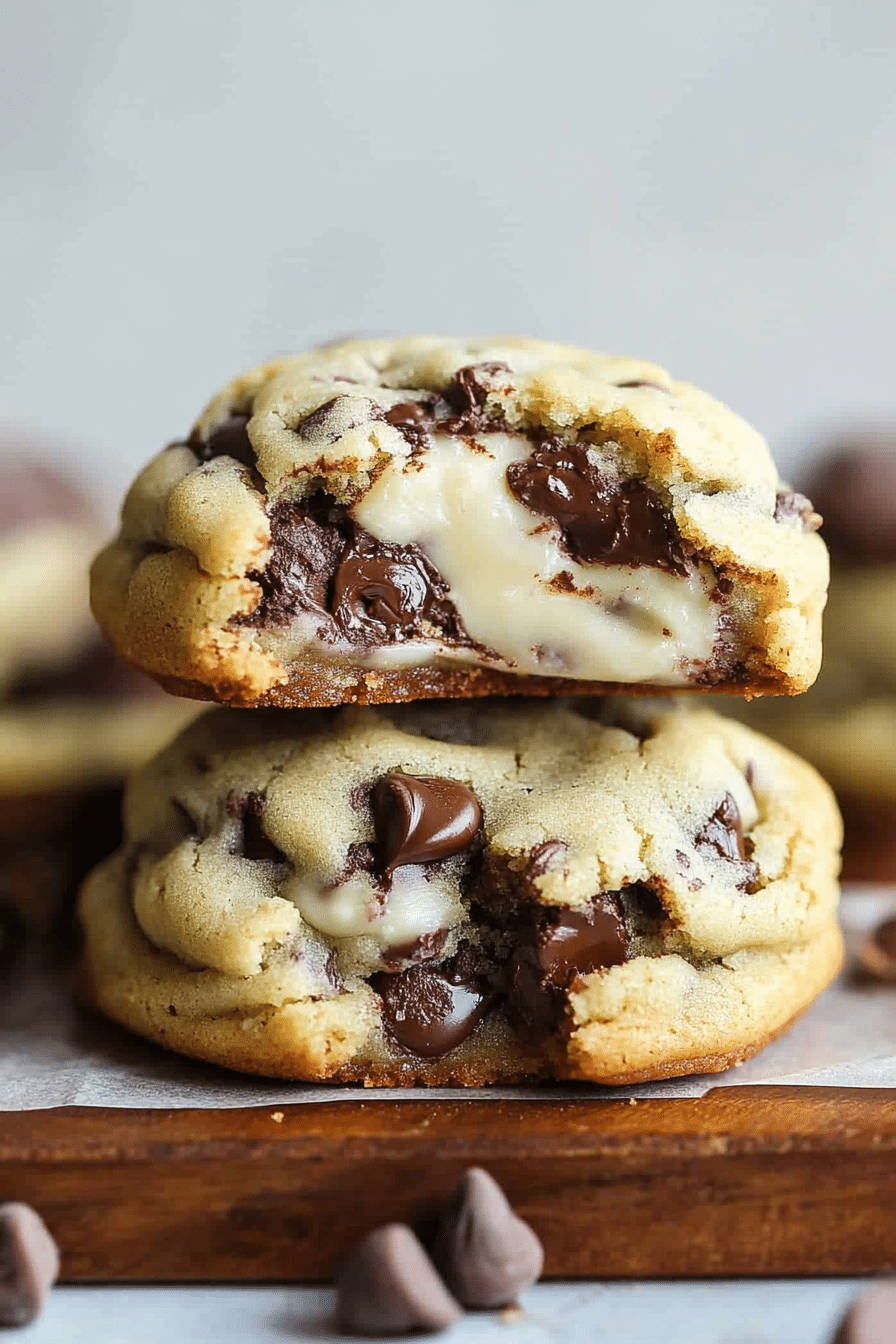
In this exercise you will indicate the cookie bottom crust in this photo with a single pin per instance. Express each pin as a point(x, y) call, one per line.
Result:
point(319, 685)
point(650, 1018)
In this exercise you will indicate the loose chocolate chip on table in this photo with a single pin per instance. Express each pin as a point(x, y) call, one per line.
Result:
point(229, 439)
point(431, 1011)
point(562, 943)
point(603, 520)
point(872, 1317)
point(389, 1286)
point(29, 1264)
point(487, 1255)
point(421, 818)
point(878, 953)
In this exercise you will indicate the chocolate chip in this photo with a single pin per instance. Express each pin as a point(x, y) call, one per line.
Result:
point(383, 588)
point(431, 1011)
point(256, 844)
point(419, 818)
point(790, 504)
point(423, 948)
point(364, 591)
point(560, 943)
point(29, 1264)
point(229, 439)
point(389, 1286)
point(337, 417)
point(723, 837)
point(466, 397)
point(878, 952)
point(854, 490)
point(872, 1317)
point(487, 1255)
point(414, 420)
point(602, 520)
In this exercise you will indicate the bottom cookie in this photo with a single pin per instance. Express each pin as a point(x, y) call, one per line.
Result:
point(464, 894)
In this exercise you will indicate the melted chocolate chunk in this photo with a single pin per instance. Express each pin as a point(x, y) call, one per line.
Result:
point(229, 439)
point(603, 521)
point(414, 419)
point(723, 837)
point(561, 943)
point(365, 591)
point(424, 948)
point(467, 397)
point(430, 1011)
point(420, 818)
point(379, 587)
point(256, 844)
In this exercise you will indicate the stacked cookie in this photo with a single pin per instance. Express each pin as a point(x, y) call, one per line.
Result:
point(450, 834)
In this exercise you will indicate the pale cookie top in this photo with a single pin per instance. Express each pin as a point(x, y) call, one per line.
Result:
point(483, 508)
point(355, 842)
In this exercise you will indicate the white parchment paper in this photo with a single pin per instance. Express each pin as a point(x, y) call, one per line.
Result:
point(52, 1054)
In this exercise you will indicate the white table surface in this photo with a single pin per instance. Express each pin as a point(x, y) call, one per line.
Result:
point(728, 1312)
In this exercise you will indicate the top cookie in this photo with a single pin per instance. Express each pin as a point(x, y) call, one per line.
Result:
point(395, 519)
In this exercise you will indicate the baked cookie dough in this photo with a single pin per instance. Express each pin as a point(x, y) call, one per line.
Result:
point(846, 725)
point(467, 892)
point(401, 519)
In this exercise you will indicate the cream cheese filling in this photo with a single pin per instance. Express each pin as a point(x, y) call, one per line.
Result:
point(413, 906)
point(500, 562)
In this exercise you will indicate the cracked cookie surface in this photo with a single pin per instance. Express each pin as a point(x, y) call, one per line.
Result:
point(467, 892)
point(389, 520)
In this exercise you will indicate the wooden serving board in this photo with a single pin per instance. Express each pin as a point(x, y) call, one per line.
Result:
point(745, 1181)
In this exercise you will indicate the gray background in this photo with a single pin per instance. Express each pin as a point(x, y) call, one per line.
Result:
point(189, 187)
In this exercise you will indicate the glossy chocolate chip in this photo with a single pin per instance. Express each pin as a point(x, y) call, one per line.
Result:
point(414, 420)
point(419, 818)
point(428, 1011)
point(560, 943)
point(385, 587)
point(723, 837)
point(602, 520)
point(389, 1286)
point(466, 396)
point(487, 1255)
point(872, 1317)
point(29, 1264)
point(229, 439)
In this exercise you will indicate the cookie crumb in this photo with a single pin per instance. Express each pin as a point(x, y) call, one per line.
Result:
point(278, 1117)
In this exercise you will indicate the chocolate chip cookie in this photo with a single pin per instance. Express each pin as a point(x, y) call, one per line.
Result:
point(395, 520)
point(846, 725)
point(467, 892)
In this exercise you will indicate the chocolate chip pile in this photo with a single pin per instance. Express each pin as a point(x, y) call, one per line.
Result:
point(481, 1258)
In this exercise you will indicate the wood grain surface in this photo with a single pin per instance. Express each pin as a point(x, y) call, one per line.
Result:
point(745, 1181)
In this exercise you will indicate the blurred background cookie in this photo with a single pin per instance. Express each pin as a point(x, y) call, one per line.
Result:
point(73, 719)
point(846, 724)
